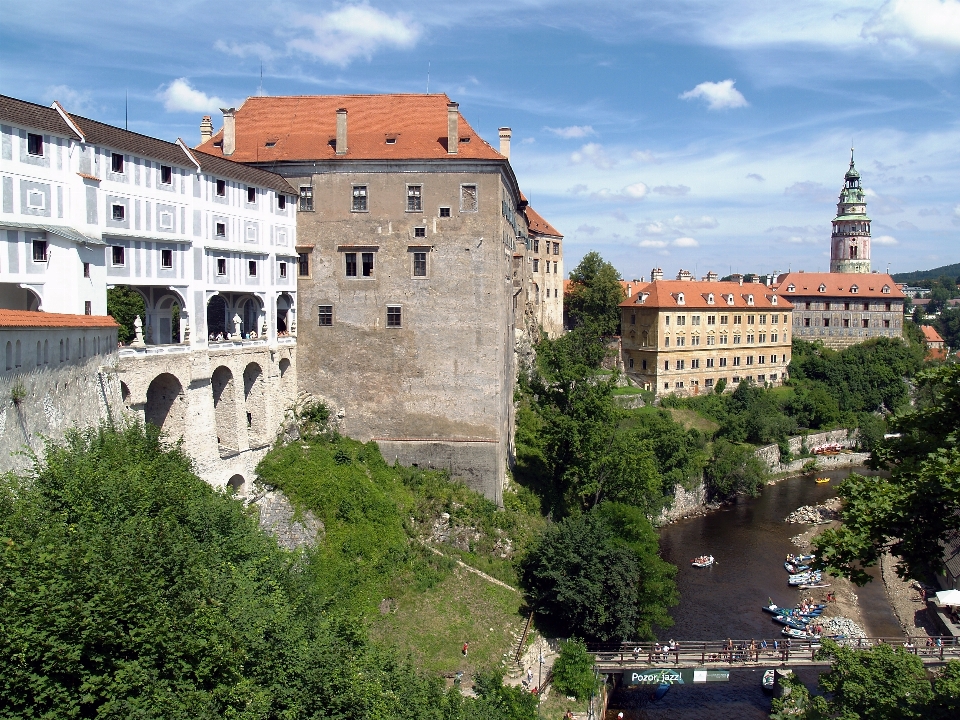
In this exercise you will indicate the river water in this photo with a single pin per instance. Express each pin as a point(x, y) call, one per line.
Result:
point(749, 541)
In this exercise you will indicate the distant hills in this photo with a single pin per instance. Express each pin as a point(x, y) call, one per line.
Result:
point(951, 271)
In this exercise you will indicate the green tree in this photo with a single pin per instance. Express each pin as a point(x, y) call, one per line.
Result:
point(598, 575)
point(595, 296)
point(917, 509)
point(948, 325)
point(124, 304)
point(734, 470)
point(573, 672)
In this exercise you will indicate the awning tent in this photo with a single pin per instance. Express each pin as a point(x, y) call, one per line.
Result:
point(948, 597)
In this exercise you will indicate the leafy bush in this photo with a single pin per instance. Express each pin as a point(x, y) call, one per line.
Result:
point(734, 470)
point(573, 672)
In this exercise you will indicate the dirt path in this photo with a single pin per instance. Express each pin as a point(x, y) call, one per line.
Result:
point(905, 599)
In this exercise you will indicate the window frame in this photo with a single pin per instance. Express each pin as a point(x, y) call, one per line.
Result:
point(394, 316)
point(419, 260)
point(306, 198)
point(367, 271)
point(114, 251)
point(221, 188)
point(440, 212)
point(303, 262)
point(414, 198)
point(252, 268)
point(359, 195)
point(282, 269)
point(251, 191)
point(44, 256)
point(324, 312)
point(221, 267)
point(420, 231)
point(281, 201)
point(113, 212)
point(35, 144)
point(166, 175)
point(476, 197)
point(350, 263)
point(164, 254)
point(117, 163)
point(216, 230)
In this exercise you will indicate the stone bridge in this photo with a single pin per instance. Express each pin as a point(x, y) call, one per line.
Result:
point(226, 401)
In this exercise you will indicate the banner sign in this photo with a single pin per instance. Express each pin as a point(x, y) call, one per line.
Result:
point(683, 676)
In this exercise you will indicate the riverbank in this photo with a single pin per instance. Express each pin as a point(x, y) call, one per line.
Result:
point(905, 599)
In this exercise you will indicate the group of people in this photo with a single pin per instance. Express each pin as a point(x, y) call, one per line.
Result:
point(659, 652)
point(219, 337)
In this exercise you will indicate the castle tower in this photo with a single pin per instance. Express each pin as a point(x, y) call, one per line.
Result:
point(850, 242)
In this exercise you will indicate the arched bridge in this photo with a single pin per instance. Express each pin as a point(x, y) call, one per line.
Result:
point(615, 658)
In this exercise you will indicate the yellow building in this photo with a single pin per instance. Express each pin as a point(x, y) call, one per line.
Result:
point(684, 336)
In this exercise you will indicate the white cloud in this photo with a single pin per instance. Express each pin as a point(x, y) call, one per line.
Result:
point(686, 242)
point(653, 243)
point(72, 100)
point(645, 156)
point(917, 22)
point(353, 31)
point(593, 153)
point(755, 176)
point(671, 190)
point(637, 190)
point(719, 95)
point(885, 240)
point(179, 96)
point(809, 190)
point(244, 50)
point(573, 131)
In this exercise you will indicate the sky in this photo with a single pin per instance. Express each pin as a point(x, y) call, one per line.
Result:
point(680, 134)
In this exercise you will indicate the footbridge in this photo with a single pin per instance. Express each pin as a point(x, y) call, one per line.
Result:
point(712, 659)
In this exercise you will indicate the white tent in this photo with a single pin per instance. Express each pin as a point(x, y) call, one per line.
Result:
point(948, 597)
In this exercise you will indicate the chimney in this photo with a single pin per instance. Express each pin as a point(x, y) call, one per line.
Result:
point(453, 128)
point(341, 131)
point(656, 274)
point(629, 286)
point(712, 276)
point(685, 275)
point(756, 279)
point(206, 129)
point(505, 135)
point(737, 278)
point(229, 131)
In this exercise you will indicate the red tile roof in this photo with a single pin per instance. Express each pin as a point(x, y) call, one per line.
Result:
point(537, 224)
point(665, 294)
point(930, 334)
point(29, 319)
point(304, 127)
point(839, 284)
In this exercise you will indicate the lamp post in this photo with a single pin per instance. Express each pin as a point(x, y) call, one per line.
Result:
point(539, 673)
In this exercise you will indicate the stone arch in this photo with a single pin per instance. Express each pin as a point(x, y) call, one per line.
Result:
point(254, 397)
point(225, 408)
point(166, 405)
point(236, 483)
point(167, 314)
point(250, 310)
point(217, 317)
point(9, 355)
point(125, 393)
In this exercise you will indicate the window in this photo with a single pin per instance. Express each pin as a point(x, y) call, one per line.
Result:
point(762, 338)
point(723, 339)
point(695, 340)
point(87, 307)
point(761, 359)
point(394, 316)
point(708, 382)
point(807, 306)
point(643, 364)
point(556, 248)
point(666, 386)
point(666, 320)
point(806, 322)
point(166, 259)
point(887, 307)
point(773, 337)
point(711, 319)
point(252, 268)
point(283, 269)
point(761, 378)
point(536, 245)
point(678, 384)
point(221, 266)
point(695, 363)
point(35, 144)
point(826, 322)
point(536, 264)
point(444, 212)
point(773, 358)
point(325, 315)
point(736, 378)
point(359, 198)
point(118, 212)
point(631, 363)
point(681, 319)
point(367, 259)
point(116, 162)
point(166, 175)
point(419, 232)
point(221, 188)
point(866, 306)
point(709, 362)
point(666, 364)
point(251, 195)
point(886, 323)
point(468, 198)
point(39, 250)
point(351, 264)
point(680, 364)
point(306, 198)
point(749, 359)
point(303, 264)
point(723, 362)
point(763, 320)
point(681, 340)
point(666, 342)
point(694, 319)
point(420, 264)
point(846, 322)
point(554, 267)
point(414, 201)
point(86, 269)
point(711, 340)
point(221, 230)
point(546, 265)
point(633, 319)
point(724, 319)
point(736, 362)
point(736, 339)
point(166, 221)
point(750, 339)
point(738, 319)
point(865, 323)
point(750, 319)
point(118, 254)
point(282, 201)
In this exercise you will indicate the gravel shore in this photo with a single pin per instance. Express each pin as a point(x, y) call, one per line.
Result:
point(905, 599)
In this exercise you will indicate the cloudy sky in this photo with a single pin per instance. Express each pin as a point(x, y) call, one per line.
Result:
point(695, 134)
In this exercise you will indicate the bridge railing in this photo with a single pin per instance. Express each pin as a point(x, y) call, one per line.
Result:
point(729, 652)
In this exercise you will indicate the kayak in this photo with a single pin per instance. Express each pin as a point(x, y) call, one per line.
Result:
point(795, 569)
point(790, 622)
point(799, 634)
point(800, 558)
point(813, 587)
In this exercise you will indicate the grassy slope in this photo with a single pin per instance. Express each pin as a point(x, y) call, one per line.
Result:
point(692, 420)
point(376, 518)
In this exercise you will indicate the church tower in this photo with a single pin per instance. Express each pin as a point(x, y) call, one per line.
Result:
point(850, 242)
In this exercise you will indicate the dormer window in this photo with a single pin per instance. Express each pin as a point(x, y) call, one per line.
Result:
point(749, 299)
point(854, 289)
point(391, 141)
point(773, 300)
point(791, 287)
point(823, 288)
point(710, 299)
point(730, 299)
point(886, 289)
point(680, 300)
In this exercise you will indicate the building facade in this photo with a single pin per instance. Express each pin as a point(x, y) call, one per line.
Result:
point(545, 288)
point(850, 241)
point(413, 279)
point(684, 336)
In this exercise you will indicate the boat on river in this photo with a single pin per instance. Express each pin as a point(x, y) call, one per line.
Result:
point(799, 634)
point(790, 622)
point(800, 558)
point(795, 569)
point(809, 578)
point(769, 680)
point(703, 561)
point(821, 481)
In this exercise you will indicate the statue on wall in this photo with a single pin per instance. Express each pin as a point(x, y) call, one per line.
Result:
point(138, 333)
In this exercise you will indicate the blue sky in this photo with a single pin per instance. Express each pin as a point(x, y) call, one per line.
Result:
point(708, 134)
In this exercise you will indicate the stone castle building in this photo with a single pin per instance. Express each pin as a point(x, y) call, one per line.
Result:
point(684, 336)
point(202, 240)
point(420, 267)
point(850, 304)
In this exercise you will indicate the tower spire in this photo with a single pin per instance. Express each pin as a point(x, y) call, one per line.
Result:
point(850, 241)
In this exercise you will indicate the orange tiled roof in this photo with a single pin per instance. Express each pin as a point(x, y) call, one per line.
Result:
point(304, 127)
point(930, 334)
point(537, 224)
point(665, 294)
point(839, 284)
point(30, 319)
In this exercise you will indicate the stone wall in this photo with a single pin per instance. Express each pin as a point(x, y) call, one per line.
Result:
point(685, 502)
point(475, 463)
point(770, 454)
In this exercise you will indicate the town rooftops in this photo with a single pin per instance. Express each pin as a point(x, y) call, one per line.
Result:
point(704, 295)
point(49, 119)
point(871, 285)
point(31, 319)
point(538, 225)
point(930, 334)
point(378, 127)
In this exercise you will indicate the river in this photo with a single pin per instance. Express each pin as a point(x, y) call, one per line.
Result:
point(749, 539)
